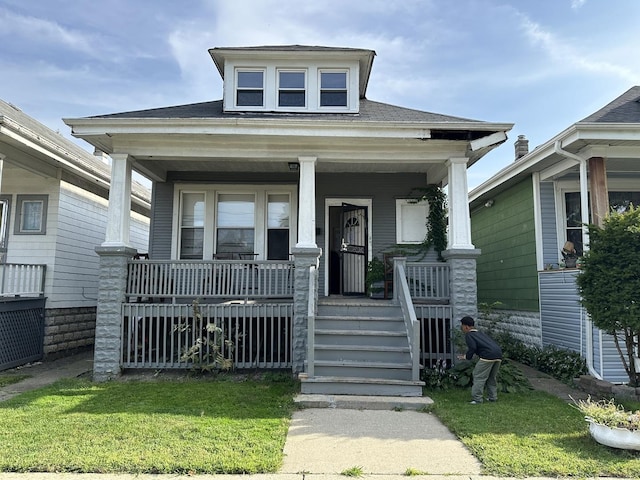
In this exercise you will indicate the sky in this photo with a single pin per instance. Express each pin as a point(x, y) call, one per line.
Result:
point(539, 64)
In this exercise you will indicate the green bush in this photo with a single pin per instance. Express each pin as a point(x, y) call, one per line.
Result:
point(510, 377)
point(561, 364)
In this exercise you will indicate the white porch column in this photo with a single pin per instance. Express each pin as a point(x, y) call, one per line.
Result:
point(119, 213)
point(307, 207)
point(1, 171)
point(459, 217)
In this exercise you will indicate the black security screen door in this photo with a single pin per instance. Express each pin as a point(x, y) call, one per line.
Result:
point(353, 249)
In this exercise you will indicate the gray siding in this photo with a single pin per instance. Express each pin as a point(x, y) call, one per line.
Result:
point(161, 221)
point(550, 250)
point(563, 325)
point(383, 190)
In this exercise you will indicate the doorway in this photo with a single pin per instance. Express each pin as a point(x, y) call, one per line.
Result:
point(348, 243)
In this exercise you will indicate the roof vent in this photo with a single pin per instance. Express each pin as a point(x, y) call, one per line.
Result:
point(522, 146)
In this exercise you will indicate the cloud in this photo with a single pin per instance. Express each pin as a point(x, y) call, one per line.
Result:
point(42, 31)
point(576, 4)
point(567, 57)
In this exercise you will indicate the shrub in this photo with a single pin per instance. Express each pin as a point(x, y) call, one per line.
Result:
point(510, 377)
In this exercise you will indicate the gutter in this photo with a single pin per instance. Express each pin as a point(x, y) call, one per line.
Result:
point(584, 207)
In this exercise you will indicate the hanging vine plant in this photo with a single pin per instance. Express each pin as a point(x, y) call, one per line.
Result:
point(436, 219)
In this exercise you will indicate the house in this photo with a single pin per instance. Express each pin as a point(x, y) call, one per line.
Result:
point(268, 206)
point(53, 212)
point(522, 218)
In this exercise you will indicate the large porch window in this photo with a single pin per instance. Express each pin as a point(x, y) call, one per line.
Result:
point(221, 221)
point(235, 232)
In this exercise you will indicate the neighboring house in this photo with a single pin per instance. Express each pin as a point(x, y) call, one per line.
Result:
point(522, 217)
point(274, 197)
point(53, 213)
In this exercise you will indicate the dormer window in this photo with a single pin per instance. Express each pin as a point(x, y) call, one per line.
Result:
point(333, 88)
point(292, 90)
point(250, 90)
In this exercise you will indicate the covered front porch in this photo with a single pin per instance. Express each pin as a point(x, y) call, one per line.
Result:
point(178, 314)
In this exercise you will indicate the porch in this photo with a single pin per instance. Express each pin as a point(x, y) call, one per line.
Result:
point(243, 310)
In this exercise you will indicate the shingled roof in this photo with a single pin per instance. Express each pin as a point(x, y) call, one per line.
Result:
point(370, 111)
point(624, 109)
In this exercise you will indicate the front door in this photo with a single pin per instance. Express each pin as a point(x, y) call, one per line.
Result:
point(353, 249)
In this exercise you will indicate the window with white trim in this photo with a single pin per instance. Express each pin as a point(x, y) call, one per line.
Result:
point(618, 200)
point(411, 220)
point(235, 224)
point(333, 88)
point(192, 226)
point(292, 88)
point(250, 88)
point(31, 215)
point(234, 221)
point(278, 215)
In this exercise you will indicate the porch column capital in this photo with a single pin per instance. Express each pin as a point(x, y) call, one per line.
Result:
point(459, 218)
point(307, 199)
point(119, 212)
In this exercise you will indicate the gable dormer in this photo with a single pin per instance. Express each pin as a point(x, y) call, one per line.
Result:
point(293, 78)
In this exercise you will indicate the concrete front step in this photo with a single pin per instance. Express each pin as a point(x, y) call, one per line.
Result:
point(361, 337)
point(329, 385)
point(363, 369)
point(338, 322)
point(369, 353)
point(362, 402)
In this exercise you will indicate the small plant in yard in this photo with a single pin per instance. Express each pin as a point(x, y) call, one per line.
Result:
point(355, 471)
point(208, 351)
point(608, 413)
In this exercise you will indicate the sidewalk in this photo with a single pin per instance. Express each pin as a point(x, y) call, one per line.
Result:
point(384, 436)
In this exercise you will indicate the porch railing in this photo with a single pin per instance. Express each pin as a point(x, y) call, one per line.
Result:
point(250, 335)
point(22, 279)
point(164, 280)
point(428, 281)
point(411, 323)
point(436, 335)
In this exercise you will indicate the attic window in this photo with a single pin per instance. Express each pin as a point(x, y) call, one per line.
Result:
point(250, 88)
point(333, 88)
point(291, 89)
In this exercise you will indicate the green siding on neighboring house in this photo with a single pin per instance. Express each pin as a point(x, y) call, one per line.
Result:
point(505, 232)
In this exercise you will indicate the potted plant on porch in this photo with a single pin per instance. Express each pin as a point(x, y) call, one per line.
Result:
point(375, 278)
point(611, 424)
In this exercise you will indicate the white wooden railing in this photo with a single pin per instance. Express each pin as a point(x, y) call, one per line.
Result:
point(428, 281)
point(249, 335)
point(163, 280)
point(402, 295)
point(22, 280)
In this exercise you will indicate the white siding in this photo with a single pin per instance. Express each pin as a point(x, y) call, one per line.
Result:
point(30, 248)
point(81, 228)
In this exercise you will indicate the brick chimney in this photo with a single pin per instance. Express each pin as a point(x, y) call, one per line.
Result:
point(522, 146)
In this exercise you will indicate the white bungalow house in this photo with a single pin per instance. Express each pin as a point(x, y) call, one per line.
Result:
point(53, 211)
point(522, 217)
point(268, 206)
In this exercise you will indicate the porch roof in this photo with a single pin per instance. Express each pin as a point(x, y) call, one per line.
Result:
point(201, 137)
point(613, 132)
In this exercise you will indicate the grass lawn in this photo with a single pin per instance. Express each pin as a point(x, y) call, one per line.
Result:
point(189, 426)
point(9, 378)
point(531, 434)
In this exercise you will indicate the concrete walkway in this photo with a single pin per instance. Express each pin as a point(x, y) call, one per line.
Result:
point(385, 436)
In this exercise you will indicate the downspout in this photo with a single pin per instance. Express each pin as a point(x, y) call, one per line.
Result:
point(584, 207)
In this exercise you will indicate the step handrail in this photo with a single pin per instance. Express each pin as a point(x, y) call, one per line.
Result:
point(402, 296)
